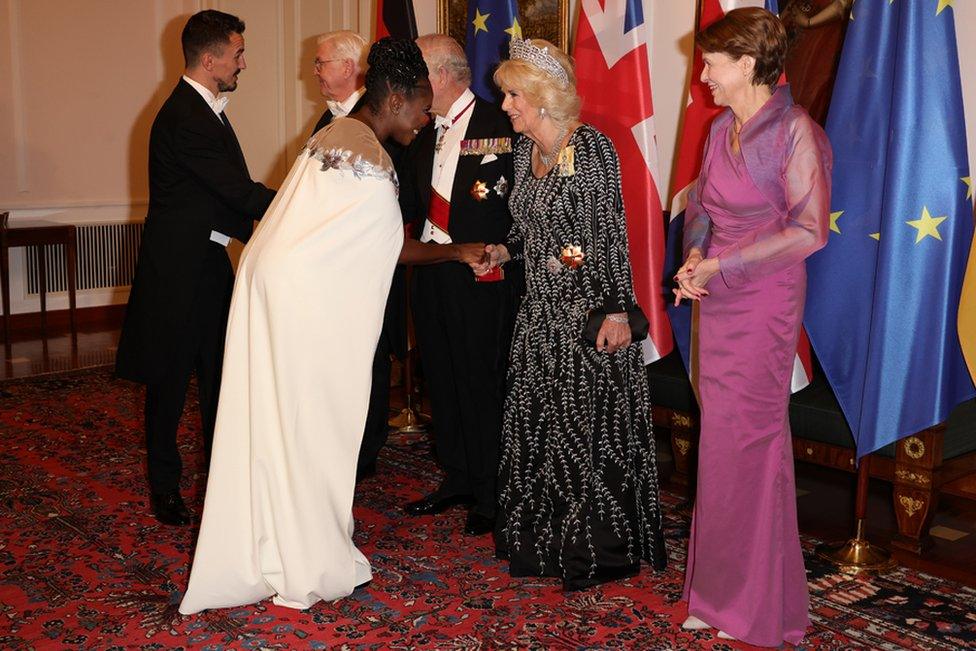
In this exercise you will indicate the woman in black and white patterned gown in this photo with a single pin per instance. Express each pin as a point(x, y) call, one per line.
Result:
point(578, 482)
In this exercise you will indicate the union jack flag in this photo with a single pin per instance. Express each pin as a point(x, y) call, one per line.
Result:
point(698, 116)
point(614, 82)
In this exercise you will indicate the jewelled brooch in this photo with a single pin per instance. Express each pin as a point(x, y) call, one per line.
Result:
point(572, 256)
point(566, 163)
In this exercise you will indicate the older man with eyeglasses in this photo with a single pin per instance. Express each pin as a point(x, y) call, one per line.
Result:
point(340, 69)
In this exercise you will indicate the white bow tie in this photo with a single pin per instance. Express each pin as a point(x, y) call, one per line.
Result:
point(336, 108)
point(440, 121)
point(220, 103)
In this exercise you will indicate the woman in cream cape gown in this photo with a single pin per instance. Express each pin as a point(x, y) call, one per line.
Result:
point(304, 322)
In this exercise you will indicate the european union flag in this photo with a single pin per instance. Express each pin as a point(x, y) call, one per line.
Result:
point(491, 25)
point(883, 294)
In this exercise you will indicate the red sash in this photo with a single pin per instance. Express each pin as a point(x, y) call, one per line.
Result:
point(439, 214)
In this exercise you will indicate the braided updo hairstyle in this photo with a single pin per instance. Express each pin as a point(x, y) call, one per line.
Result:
point(395, 65)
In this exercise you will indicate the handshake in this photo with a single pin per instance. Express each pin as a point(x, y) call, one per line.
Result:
point(481, 257)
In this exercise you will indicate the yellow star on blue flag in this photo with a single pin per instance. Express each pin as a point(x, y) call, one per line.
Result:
point(480, 21)
point(515, 31)
point(926, 225)
point(834, 216)
point(491, 26)
point(887, 340)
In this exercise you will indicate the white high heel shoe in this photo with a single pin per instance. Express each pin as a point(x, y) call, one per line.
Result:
point(694, 624)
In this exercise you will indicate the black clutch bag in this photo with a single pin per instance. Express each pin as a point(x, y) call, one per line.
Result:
point(635, 317)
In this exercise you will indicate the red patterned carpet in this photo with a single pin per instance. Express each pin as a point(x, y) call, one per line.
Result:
point(83, 565)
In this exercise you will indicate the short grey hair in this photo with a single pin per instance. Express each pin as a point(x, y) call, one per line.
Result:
point(442, 51)
point(347, 44)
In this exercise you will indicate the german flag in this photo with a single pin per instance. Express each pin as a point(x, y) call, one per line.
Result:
point(395, 18)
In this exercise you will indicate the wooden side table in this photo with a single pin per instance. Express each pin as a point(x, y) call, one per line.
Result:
point(37, 233)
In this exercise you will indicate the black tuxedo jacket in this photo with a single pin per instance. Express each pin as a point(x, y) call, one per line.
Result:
point(198, 182)
point(471, 220)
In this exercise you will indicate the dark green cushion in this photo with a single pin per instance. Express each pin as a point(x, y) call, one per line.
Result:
point(814, 411)
point(960, 435)
point(816, 415)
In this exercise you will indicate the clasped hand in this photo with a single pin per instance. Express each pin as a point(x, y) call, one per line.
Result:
point(488, 257)
point(613, 335)
point(692, 277)
point(474, 255)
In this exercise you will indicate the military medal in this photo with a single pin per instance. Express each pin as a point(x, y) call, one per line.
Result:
point(479, 190)
point(485, 146)
point(501, 187)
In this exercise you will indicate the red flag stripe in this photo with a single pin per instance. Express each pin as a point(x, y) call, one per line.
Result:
point(617, 101)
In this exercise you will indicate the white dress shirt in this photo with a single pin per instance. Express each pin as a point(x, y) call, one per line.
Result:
point(217, 104)
point(344, 108)
point(449, 133)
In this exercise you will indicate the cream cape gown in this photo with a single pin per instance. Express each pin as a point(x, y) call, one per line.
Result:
point(304, 322)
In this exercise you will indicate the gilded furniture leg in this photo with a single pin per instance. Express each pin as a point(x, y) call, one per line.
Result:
point(917, 459)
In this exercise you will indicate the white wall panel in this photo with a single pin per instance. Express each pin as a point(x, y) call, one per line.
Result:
point(80, 83)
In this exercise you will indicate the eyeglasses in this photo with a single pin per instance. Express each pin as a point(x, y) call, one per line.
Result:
point(318, 64)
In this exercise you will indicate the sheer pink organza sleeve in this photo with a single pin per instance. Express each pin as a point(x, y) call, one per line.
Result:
point(805, 226)
point(698, 225)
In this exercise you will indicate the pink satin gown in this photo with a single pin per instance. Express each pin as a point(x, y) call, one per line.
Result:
point(745, 571)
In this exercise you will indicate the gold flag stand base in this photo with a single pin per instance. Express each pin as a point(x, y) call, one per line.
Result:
point(857, 555)
point(410, 421)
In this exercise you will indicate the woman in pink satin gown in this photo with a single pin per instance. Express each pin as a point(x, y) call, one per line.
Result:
point(760, 207)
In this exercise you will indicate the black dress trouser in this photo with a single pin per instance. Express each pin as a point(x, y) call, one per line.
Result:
point(463, 330)
point(377, 428)
point(200, 349)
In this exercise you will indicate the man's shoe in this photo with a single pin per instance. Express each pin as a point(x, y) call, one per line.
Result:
point(478, 525)
point(169, 508)
point(435, 503)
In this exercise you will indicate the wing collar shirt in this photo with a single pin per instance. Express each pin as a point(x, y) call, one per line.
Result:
point(217, 105)
point(345, 107)
point(450, 131)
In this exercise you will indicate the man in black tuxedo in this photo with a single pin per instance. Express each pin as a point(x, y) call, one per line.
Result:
point(340, 68)
point(454, 189)
point(200, 195)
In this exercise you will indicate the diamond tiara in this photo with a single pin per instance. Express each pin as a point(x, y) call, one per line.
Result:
point(537, 56)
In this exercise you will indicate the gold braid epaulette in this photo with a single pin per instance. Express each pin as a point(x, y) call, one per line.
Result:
point(485, 146)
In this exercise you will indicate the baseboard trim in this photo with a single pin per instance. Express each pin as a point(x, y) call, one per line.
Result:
point(102, 317)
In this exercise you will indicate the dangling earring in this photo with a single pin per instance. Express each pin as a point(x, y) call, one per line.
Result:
point(542, 112)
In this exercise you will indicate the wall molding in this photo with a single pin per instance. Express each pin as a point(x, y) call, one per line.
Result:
point(291, 151)
point(158, 22)
point(67, 204)
point(17, 97)
point(281, 106)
